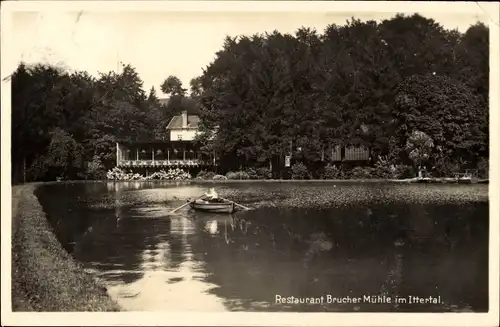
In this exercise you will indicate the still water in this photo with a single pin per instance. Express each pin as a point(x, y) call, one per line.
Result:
point(307, 240)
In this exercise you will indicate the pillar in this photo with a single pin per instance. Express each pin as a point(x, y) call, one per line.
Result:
point(117, 154)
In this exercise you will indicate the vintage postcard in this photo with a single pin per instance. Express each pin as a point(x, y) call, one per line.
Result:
point(250, 163)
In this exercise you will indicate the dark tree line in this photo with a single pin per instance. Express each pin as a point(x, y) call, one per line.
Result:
point(363, 83)
point(65, 125)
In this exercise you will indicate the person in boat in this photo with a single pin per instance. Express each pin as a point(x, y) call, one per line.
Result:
point(212, 196)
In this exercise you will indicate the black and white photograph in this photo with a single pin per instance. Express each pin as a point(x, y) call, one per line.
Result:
point(250, 163)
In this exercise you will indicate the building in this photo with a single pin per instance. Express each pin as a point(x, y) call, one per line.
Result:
point(177, 151)
point(183, 127)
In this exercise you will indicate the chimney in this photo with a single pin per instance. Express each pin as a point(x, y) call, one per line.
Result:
point(184, 118)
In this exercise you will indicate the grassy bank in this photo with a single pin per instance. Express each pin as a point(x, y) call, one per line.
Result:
point(44, 276)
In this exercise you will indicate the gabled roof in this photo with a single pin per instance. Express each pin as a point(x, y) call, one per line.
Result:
point(176, 122)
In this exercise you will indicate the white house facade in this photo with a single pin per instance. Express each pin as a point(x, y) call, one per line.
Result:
point(183, 127)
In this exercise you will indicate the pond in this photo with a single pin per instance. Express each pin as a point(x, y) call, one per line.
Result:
point(366, 247)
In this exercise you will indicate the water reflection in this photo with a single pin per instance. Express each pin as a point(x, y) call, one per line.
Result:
point(151, 260)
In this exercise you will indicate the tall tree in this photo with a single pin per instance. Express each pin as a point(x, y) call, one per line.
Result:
point(173, 86)
point(195, 87)
point(269, 94)
point(444, 109)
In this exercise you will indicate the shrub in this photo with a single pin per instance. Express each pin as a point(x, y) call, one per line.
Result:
point(483, 168)
point(444, 167)
point(404, 171)
point(116, 174)
point(362, 172)
point(252, 173)
point(331, 172)
point(205, 175)
point(237, 175)
point(300, 171)
point(263, 173)
point(173, 174)
point(219, 177)
point(419, 147)
point(95, 169)
point(259, 173)
point(384, 168)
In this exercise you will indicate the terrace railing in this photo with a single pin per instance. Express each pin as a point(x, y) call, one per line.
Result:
point(164, 163)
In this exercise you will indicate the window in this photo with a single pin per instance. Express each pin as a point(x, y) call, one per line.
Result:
point(179, 137)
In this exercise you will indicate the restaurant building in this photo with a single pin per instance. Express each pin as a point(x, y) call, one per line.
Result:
point(178, 150)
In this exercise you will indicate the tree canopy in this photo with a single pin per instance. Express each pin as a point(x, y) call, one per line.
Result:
point(363, 83)
point(66, 124)
point(266, 95)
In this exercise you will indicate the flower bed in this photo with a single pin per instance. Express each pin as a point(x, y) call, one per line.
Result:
point(117, 174)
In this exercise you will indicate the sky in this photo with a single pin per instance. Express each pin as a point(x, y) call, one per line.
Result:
point(159, 44)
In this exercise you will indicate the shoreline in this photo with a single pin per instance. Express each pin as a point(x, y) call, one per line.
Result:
point(44, 276)
point(441, 180)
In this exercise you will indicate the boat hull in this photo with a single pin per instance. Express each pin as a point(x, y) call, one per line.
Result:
point(213, 207)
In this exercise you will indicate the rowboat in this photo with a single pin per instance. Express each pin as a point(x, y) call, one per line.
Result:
point(216, 207)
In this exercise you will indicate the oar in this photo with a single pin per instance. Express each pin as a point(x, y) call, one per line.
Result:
point(239, 205)
point(185, 204)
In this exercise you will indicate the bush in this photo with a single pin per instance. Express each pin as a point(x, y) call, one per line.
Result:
point(238, 175)
point(331, 172)
point(264, 173)
point(205, 175)
point(118, 174)
point(483, 168)
point(252, 173)
point(259, 173)
point(173, 174)
point(404, 171)
point(384, 168)
point(445, 166)
point(219, 177)
point(362, 172)
point(95, 169)
point(300, 171)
